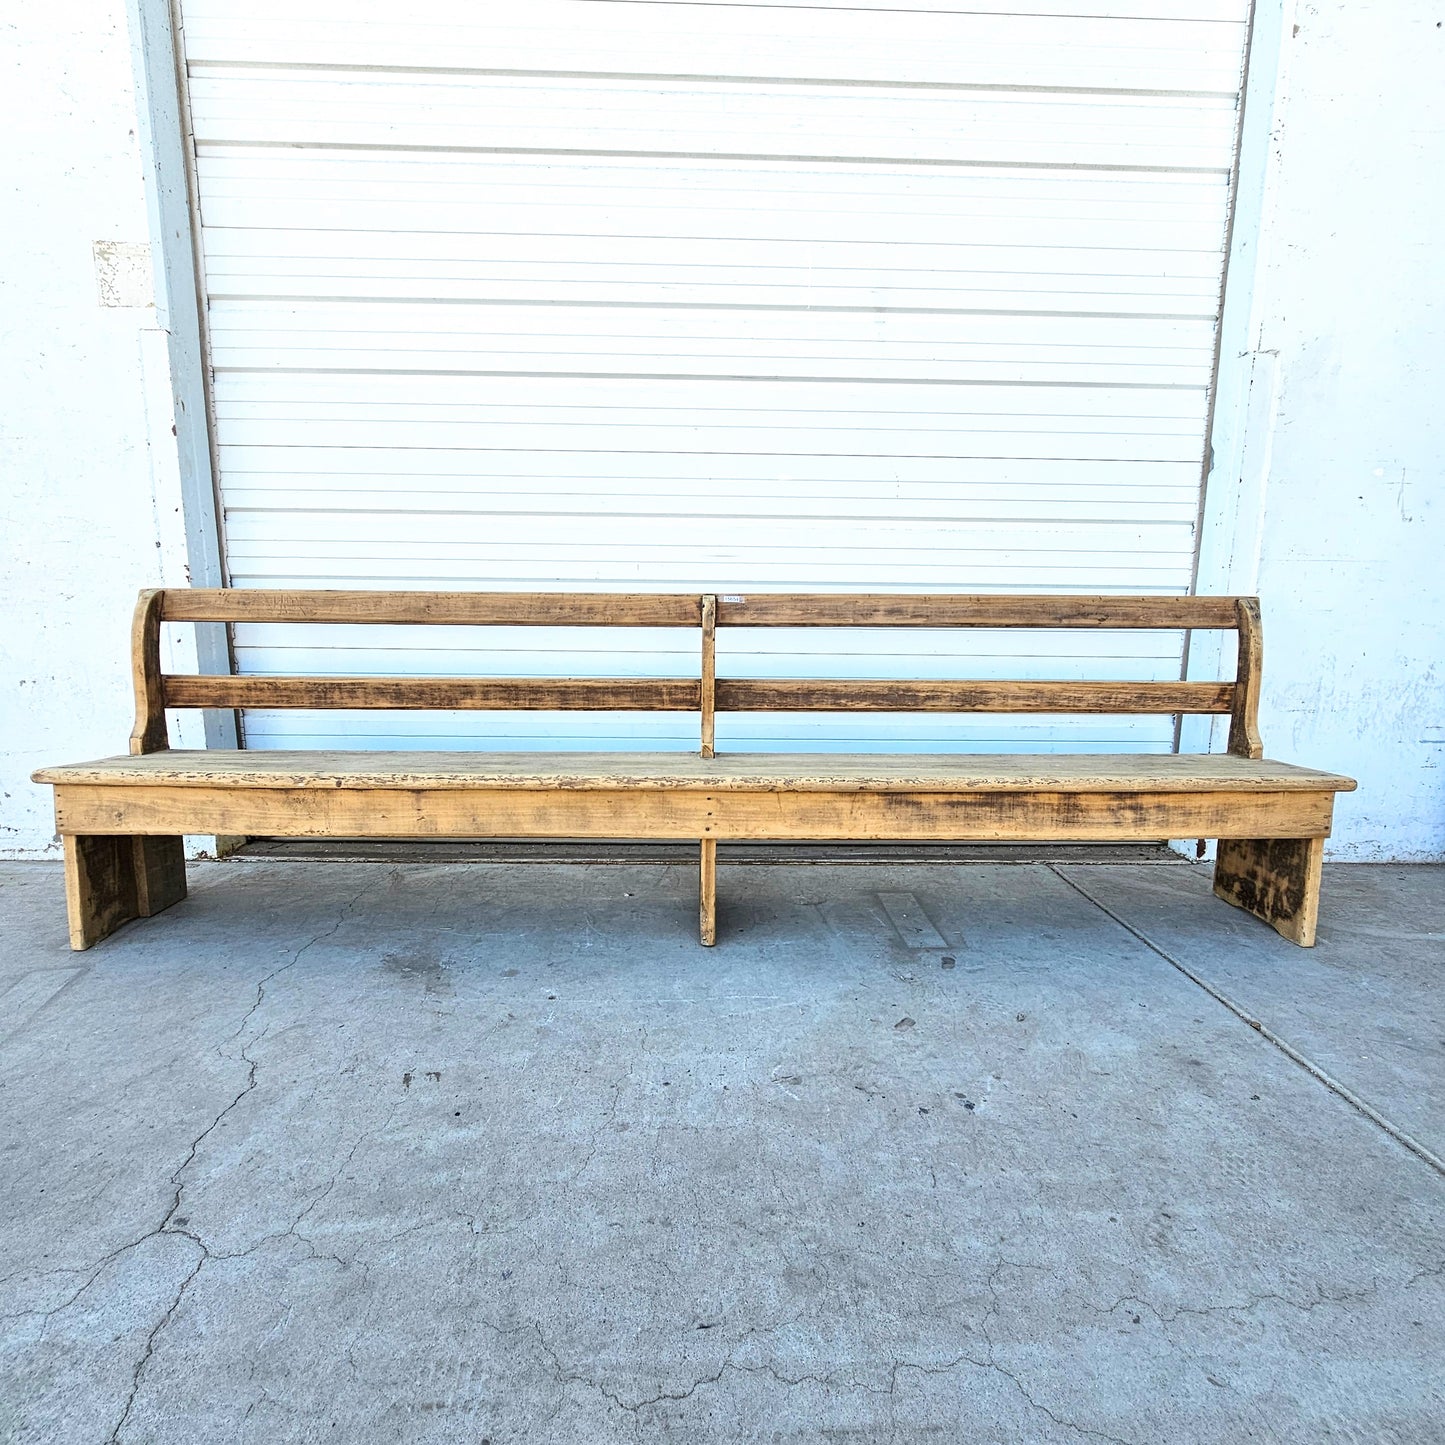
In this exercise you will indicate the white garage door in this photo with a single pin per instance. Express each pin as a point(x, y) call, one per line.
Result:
point(716, 297)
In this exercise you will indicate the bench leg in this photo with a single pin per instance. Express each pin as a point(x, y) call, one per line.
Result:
point(111, 880)
point(1276, 879)
point(707, 892)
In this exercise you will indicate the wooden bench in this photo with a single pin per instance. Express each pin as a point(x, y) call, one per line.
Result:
point(122, 819)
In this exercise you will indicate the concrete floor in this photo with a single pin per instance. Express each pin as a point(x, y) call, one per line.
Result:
point(363, 1152)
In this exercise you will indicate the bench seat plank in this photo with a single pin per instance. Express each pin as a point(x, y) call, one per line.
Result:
point(738, 772)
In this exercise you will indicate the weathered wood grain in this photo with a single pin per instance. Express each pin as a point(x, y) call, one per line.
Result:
point(593, 694)
point(112, 879)
point(708, 675)
point(160, 872)
point(99, 888)
point(1276, 879)
point(619, 609)
point(779, 772)
point(149, 734)
point(692, 813)
point(707, 893)
point(972, 610)
point(878, 695)
point(474, 609)
point(1244, 739)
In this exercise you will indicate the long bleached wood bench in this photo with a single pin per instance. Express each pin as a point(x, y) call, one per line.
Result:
point(122, 819)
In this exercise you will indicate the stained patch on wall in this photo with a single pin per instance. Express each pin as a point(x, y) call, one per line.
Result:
point(123, 273)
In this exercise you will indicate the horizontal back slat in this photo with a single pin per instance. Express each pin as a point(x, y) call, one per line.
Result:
point(476, 609)
point(622, 609)
point(956, 610)
point(684, 694)
point(872, 695)
point(590, 694)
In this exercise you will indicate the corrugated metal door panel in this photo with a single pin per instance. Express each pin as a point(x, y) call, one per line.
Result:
point(1108, 45)
point(712, 297)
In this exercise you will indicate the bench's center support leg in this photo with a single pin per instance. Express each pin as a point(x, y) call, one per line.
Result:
point(1276, 879)
point(111, 880)
point(707, 893)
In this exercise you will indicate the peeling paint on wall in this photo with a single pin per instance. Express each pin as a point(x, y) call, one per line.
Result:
point(123, 273)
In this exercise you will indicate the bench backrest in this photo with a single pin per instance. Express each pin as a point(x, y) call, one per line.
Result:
point(705, 694)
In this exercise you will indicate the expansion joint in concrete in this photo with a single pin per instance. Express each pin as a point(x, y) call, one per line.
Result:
point(1315, 1071)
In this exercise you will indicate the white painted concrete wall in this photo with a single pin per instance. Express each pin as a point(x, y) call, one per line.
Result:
point(89, 493)
point(1329, 443)
point(1327, 493)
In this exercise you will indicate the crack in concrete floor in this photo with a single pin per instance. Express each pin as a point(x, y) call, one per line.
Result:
point(597, 1138)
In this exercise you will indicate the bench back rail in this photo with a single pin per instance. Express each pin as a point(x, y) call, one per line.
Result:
point(707, 694)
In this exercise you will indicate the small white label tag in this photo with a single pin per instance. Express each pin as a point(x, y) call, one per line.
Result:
point(734, 599)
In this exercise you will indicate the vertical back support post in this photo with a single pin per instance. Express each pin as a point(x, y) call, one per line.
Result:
point(1244, 739)
point(149, 734)
point(709, 675)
